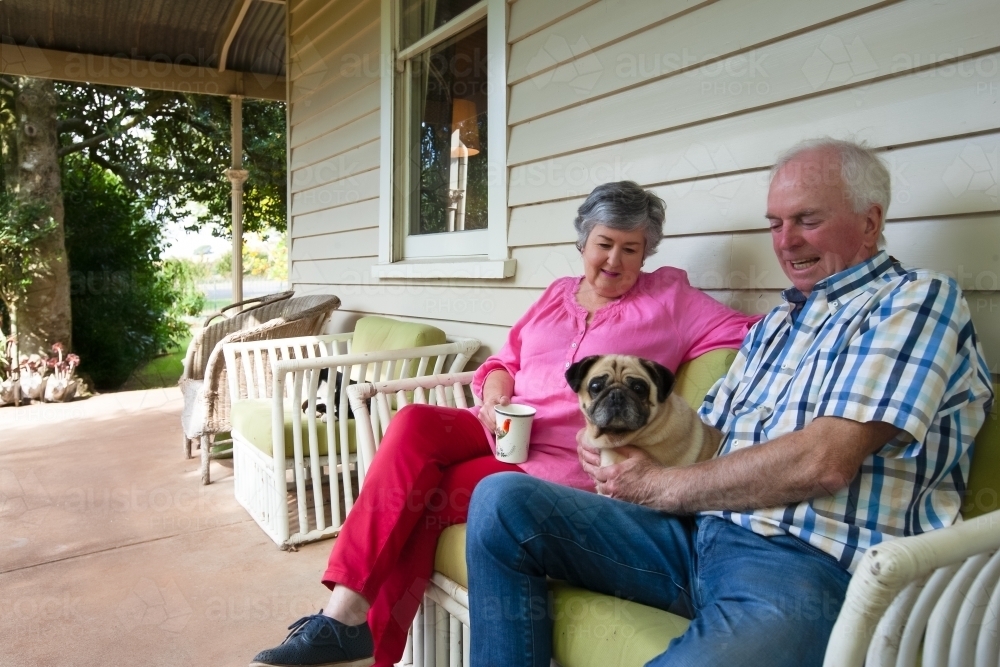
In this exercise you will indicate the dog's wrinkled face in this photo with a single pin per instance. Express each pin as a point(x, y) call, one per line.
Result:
point(618, 393)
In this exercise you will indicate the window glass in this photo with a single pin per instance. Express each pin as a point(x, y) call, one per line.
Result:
point(448, 135)
point(422, 17)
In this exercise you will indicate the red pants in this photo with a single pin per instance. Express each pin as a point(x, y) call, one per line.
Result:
point(420, 482)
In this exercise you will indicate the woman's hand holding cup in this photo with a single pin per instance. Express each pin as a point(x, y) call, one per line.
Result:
point(497, 390)
point(487, 415)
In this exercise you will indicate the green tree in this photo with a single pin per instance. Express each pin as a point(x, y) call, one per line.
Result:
point(24, 229)
point(122, 302)
point(173, 148)
point(183, 276)
point(28, 142)
point(168, 150)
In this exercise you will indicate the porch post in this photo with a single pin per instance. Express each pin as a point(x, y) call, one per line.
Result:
point(237, 175)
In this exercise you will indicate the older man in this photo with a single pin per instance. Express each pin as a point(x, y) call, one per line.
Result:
point(847, 419)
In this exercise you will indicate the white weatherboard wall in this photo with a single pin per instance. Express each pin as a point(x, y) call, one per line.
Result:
point(692, 99)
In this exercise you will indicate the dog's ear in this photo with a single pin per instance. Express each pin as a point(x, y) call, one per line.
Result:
point(578, 371)
point(662, 376)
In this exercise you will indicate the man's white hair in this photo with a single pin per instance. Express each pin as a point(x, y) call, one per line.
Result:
point(864, 174)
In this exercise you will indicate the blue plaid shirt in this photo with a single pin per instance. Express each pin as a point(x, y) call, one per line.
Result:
point(876, 342)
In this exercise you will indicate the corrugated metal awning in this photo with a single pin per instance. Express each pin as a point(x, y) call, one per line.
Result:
point(184, 34)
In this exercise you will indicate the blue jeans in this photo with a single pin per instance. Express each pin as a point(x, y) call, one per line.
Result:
point(752, 600)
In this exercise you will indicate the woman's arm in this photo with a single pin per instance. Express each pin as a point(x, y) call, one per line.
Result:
point(705, 323)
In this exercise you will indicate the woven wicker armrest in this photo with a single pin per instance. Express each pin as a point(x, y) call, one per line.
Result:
point(249, 304)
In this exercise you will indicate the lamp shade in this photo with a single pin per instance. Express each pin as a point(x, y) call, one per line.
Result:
point(464, 128)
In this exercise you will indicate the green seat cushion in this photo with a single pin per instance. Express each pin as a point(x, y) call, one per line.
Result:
point(590, 629)
point(380, 334)
point(594, 630)
point(377, 334)
point(449, 559)
point(983, 494)
point(251, 418)
point(697, 376)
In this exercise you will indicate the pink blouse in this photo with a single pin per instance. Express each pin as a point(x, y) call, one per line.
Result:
point(661, 318)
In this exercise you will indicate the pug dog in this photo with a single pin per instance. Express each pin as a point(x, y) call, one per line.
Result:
point(628, 401)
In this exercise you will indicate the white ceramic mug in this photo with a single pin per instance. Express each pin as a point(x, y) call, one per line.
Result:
point(513, 432)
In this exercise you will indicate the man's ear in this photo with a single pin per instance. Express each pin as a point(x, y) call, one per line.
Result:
point(874, 223)
point(662, 376)
point(578, 371)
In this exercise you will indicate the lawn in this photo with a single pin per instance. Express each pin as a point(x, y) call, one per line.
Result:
point(162, 371)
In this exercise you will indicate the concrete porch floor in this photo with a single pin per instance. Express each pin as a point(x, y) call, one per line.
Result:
point(113, 553)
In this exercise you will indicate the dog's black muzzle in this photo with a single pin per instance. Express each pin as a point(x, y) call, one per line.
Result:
point(618, 410)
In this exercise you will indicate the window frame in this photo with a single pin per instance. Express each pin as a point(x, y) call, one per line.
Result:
point(466, 257)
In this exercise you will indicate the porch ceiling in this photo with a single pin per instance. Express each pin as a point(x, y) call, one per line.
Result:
point(155, 43)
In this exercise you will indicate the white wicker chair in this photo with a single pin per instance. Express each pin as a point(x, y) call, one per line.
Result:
point(274, 379)
point(931, 599)
point(203, 382)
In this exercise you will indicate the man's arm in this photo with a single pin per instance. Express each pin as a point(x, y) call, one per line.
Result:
point(817, 461)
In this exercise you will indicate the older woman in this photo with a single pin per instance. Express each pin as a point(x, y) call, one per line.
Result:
point(431, 457)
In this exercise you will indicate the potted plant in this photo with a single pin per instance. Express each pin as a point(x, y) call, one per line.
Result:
point(61, 385)
point(8, 375)
point(32, 372)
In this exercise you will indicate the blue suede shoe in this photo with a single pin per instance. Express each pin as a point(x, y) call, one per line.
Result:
point(320, 641)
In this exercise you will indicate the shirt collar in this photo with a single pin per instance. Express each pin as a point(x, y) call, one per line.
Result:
point(843, 286)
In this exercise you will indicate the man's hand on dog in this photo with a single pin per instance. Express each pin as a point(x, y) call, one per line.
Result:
point(637, 479)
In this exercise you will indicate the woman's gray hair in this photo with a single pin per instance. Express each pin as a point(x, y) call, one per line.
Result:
point(864, 175)
point(624, 206)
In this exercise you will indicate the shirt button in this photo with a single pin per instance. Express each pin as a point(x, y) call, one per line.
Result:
point(567, 364)
point(573, 345)
point(735, 442)
point(835, 304)
point(784, 367)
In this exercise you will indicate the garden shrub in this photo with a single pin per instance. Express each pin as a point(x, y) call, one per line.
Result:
point(121, 300)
